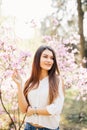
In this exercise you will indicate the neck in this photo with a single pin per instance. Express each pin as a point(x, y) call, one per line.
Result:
point(43, 74)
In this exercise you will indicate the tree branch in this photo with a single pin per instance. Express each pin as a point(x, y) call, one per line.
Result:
point(7, 111)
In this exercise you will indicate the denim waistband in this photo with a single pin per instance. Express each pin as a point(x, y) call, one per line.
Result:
point(28, 126)
point(33, 127)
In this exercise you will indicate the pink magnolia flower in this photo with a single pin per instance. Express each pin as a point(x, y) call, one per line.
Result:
point(55, 22)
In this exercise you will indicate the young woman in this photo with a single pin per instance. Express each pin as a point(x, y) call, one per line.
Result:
point(43, 95)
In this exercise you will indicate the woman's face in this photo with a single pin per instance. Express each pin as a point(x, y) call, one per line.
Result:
point(46, 60)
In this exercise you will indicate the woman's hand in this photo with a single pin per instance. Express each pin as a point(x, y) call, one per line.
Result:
point(30, 111)
point(17, 78)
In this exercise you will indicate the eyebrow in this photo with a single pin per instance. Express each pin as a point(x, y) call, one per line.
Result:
point(47, 55)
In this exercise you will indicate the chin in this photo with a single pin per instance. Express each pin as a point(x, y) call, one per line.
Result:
point(47, 69)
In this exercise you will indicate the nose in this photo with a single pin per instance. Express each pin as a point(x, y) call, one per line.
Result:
point(49, 60)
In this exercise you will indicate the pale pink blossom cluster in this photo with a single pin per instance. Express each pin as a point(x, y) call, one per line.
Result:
point(11, 58)
point(75, 76)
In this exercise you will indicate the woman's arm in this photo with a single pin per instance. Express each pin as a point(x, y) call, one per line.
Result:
point(23, 105)
point(57, 106)
point(37, 111)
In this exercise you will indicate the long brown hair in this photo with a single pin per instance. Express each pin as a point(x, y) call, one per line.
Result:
point(33, 81)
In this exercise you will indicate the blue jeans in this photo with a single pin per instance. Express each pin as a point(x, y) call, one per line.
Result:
point(30, 127)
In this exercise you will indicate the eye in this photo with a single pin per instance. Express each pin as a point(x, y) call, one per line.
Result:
point(45, 56)
point(52, 58)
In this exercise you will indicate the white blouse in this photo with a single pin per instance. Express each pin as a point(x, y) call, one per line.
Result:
point(39, 98)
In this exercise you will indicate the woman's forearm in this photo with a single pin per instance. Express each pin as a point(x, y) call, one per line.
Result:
point(22, 100)
point(42, 111)
point(37, 111)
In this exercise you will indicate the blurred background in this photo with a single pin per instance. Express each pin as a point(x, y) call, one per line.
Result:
point(24, 26)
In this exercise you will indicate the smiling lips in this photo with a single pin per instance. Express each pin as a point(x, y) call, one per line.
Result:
point(48, 65)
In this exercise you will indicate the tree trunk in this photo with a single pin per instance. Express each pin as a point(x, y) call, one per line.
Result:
point(80, 29)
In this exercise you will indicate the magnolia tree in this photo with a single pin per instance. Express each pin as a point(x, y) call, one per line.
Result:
point(11, 58)
point(74, 75)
